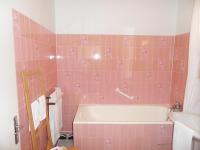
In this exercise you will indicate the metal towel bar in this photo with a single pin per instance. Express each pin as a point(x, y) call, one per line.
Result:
point(50, 103)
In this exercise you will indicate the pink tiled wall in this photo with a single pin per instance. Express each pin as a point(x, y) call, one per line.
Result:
point(153, 68)
point(180, 66)
point(123, 137)
point(139, 65)
point(33, 46)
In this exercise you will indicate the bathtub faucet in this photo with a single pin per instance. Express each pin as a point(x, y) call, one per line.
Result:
point(124, 94)
point(177, 107)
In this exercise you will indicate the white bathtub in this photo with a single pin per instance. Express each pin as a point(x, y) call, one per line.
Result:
point(122, 114)
point(128, 127)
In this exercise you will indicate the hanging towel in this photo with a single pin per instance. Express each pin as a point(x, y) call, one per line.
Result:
point(35, 113)
point(59, 92)
point(59, 108)
point(55, 114)
point(182, 138)
point(53, 99)
point(52, 128)
point(60, 122)
point(42, 107)
point(56, 120)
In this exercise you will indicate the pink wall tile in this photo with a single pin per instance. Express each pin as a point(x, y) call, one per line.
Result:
point(138, 65)
point(153, 68)
point(126, 137)
point(33, 46)
point(180, 66)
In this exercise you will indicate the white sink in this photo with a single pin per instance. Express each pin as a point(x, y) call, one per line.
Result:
point(190, 120)
point(186, 131)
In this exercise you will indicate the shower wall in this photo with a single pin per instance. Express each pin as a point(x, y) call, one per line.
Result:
point(33, 46)
point(91, 67)
point(150, 63)
point(108, 45)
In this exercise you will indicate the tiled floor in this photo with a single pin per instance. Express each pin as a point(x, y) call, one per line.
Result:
point(66, 143)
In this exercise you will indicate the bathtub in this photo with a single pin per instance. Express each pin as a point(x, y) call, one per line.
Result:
point(127, 127)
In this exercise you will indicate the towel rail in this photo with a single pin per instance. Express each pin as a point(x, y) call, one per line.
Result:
point(51, 103)
point(25, 75)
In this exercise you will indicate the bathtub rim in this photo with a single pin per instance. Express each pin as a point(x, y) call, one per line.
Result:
point(168, 121)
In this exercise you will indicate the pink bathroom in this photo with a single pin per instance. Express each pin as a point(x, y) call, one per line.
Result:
point(100, 75)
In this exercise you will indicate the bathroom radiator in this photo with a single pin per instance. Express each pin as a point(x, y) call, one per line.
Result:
point(55, 114)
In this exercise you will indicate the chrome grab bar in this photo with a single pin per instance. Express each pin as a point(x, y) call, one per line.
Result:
point(124, 94)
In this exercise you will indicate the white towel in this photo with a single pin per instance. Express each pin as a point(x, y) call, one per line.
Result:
point(55, 114)
point(53, 97)
point(59, 107)
point(42, 107)
point(60, 121)
point(52, 127)
point(35, 113)
point(52, 116)
point(58, 91)
point(182, 139)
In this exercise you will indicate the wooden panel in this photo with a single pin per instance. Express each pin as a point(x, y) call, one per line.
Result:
point(34, 133)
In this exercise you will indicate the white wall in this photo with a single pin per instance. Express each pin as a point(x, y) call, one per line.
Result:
point(149, 17)
point(40, 10)
point(184, 16)
point(8, 93)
